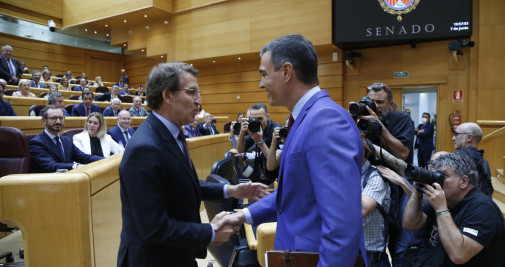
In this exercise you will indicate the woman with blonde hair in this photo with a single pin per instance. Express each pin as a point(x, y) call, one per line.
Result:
point(94, 140)
point(98, 81)
point(64, 84)
point(24, 89)
point(46, 76)
point(53, 88)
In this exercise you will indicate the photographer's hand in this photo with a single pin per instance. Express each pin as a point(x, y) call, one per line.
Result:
point(436, 196)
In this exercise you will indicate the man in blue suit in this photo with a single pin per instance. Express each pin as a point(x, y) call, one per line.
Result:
point(114, 108)
point(82, 84)
point(9, 67)
point(424, 141)
point(121, 133)
point(50, 151)
point(5, 107)
point(35, 82)
point(318, 199)
point(86, 107)
point(192, 128)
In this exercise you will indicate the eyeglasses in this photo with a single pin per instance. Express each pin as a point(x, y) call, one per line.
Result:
point(192, 91)
point(458, 133)
point(378, 87)
point(56, 118)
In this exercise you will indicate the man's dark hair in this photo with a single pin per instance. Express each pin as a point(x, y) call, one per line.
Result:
point(428, 114)
point(258, 106)
point(298, 51)
point(460, 164)
point(87, 93)
point(377, 87)
point(35, 72)
point(51, 99)
point(3, 87)
point(165, 76)
point(43, 112)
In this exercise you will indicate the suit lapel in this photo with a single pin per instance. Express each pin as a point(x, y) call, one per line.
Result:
point(52, 147)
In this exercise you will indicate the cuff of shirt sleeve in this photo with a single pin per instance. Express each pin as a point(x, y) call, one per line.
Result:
point(225, 191)
point(75, 165)
point(213, 233)
point(248, 216)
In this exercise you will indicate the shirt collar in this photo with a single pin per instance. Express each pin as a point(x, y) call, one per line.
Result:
point(299, 105)
point(174, 130)
point(122, 129)
point(52, 136)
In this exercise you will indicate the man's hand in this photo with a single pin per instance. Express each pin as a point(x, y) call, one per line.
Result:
point(371, 116)
point(390, 175)
point(14, 79)
point(256, 137)
point(250, 190)
point(420, 131)
point(436, 196)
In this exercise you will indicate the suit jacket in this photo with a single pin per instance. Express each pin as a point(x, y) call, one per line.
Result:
point(6, 109)
point(318, 200)
point(425, 139)
point(109, 112)
point(126, 79)
point(45, 155)
point(143, 112)
point(206, 130)
point(122, 92)
point(109, 146)
point(106, 97)
point(41, 84)
point(190, 131)
point(161, 197)
point(77, 88)
point(118, 136)
point(80, 110)
point(5, 72)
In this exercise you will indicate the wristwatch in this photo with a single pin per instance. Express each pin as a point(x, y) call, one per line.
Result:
point(260, 143)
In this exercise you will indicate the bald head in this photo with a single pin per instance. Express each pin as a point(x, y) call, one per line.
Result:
point(467, 134)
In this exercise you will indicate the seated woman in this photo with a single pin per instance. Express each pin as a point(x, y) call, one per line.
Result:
point(64, 84)
point(98, 81)
point(46, 77)
point(24, 89)
point(94, 140)
point(53, 88)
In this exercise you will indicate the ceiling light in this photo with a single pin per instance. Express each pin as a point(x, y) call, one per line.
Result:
point(142, 50)
point(85, 30)
point(95, 32)
point(147, 27)
point(239, 58)
point(161, 56)
point(166, 22)
point(106, 25)
point(124, 21)
point(124, 44)
point(107, 35)
point(145, 15)
point(213, 61)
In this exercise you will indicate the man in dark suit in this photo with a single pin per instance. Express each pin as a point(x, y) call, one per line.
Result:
point(49, 151)
point(5, 107)
point(192, 128)
point(114, 93)
point(9, 67)
point(126, 90)
point(137, 110)
point(160, 190)
point(318, 199)
point(35, 82)
point(86, 107)
point(207, 127)
point(114, 108)
point(424, 141)
point(82, 84)
point(126, 79)
point(121, 133)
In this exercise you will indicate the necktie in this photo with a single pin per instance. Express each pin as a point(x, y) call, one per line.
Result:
point(87, 111)
point(211, 130)
point(58, 143)
point(182, 138)
point(12, 69)
point(290, 122)
point(194, 133)
point(126, 136)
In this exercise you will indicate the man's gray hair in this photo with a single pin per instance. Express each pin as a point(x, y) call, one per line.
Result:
point(115, 100)
point(5, 47)
point(166, 76)
point(460, 164)
point(115, 87)
point(51, 99)
point(36, 72)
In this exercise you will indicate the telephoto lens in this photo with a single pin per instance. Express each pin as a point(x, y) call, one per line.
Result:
point(423, 176)
point(359, 108)
point(370, 127)
point(254, 125)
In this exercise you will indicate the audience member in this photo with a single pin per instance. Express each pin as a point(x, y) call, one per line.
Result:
point(24, 89)
point(82, 84)
point(463, 226)
point(57, 99)
point(35, 82)
point(64, 84)
point(69, 76)
point(53, 88)
point(137, 110)
point(23, 68)
point(232, 137)
point(114, 93)
point(98, 81)
point(45, 67)
point(120, 82)
point(407, 110)
point(192, 128)
point(126, 79)
point(9, 67)
point(114, 108)
point(86, 107)
point(126, 90)
point(121, 133)
point(207, 127)
point(140, 91)
point(46, 76)
point(94, 140)
point(52, 152)
point(424, 140)
point(85, 89)
point(466, 142)
point(5, 107)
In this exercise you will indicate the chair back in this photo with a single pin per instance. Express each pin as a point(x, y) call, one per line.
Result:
point(126, 99)
point(101, 89)
point(15, 153)
point(227, 126)
point(71, 132)
point(226, 169)
point(9, 92)
point(36, 109)
point(68, 108)
point(74, 97)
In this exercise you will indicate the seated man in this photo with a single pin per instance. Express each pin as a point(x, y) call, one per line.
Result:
point(114, 93)
point(51, 152)
point(192, 128)
point(126, 90)
point(56, 99)
point(35, 82)
point(207, 127)
point(82, 84)
point(86, 107)
point(114, 108)
point(463, 225)
point(5, 107)
point(121, 133)
point(137, 110)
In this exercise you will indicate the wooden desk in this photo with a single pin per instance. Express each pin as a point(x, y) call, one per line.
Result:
point(34, 125)
point(74, 218)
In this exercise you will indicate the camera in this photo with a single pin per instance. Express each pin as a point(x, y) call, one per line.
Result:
point(254, 126)
point(236, 128)
point(52, 25)
point(359, 108)
point(283, 133)
point(370, 127)
point(423, 176)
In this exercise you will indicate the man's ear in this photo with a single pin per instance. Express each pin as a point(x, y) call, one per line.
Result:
point(168, 96)
point(464, 182)
point(287, 71)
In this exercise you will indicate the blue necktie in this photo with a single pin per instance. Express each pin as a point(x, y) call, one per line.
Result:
point(57, 139)
point(11, 67)
point(126, 136)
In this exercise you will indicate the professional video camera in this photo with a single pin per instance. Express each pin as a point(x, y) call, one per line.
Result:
point(359, 108)
point(254, 126)
point(371, 127)
point(423, 176)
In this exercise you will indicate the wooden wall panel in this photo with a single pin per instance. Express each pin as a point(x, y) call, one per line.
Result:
point(52, 8)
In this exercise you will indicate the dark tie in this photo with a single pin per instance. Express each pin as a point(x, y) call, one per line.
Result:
point(87, 111)
point(11, 67)
point(57, 139)
point(182, 138)
point(290, 122)
point(194, 132)
point(126, 136)
point(211, 131)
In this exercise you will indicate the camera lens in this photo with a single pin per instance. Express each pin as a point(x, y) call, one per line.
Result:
point(371, 127)
point(283, 133)
point(423, 176)
point(236, 128)
point(254, 125)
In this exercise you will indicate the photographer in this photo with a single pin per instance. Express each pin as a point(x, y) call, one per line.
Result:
point(263, 137)
point(207, 127)
point(463, 225)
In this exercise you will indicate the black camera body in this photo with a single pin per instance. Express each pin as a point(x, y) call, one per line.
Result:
point(359, 108)
point(423, 176)
point(254, 126)
point(371, 127)
point(283, 133)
